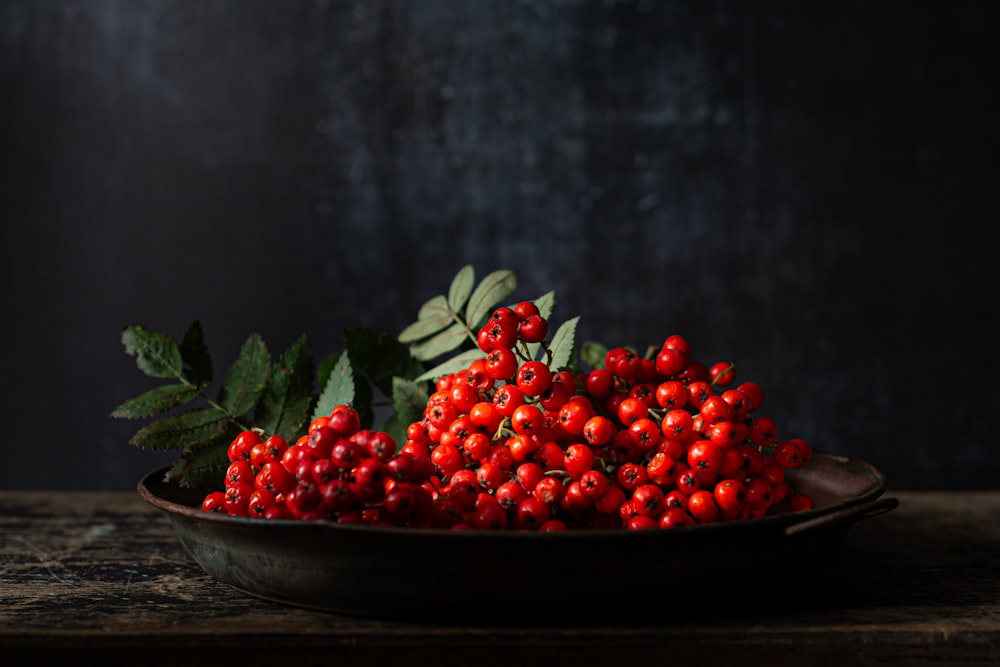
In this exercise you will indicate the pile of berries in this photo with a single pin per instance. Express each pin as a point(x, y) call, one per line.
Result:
point(507, 443)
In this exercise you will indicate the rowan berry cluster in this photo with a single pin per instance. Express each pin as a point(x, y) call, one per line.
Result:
point(507, 443)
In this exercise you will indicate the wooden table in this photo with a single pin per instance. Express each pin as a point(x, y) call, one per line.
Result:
point(100, 578)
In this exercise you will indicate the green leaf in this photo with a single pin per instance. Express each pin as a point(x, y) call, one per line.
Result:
point(157, 355)
point(563, 344)
point(195, 427)
point(286, 404)
point(247, 377)
point(380, 357)
point(204, 466)
point(424, 328)
point(155, 401)
point(546, 303)
point(434, 307)
point(363, 400)
point(446, 341)
point(593, 353)
point(339, 389)
point(326, 367)
point(453, 365)
point(409, 399)
point(461, 287)
point(494, 288)
point(194, 353)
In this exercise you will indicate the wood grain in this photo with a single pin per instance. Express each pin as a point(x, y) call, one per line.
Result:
point(100, 578)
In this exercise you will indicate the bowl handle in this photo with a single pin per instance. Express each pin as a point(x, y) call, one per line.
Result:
point(847, 514)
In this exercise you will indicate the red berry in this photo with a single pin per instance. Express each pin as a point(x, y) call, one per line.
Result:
point(533, 329)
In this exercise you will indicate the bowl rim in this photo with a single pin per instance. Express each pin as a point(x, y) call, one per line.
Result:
point(782, 521)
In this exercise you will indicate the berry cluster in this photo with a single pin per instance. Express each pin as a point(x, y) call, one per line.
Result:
point(507, 443)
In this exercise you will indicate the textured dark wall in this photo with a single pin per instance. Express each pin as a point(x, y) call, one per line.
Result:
point(802, 188)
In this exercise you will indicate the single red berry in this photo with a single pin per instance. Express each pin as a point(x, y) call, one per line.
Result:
point(671, 362)
point(679, 343)
point(573, 416)
point(345, 420)
point(704, 457)
point(649, 500)
point(237, 498)
point(674, 517)
point(729, 494)
point(671, 395)
point(525, 309)
point(578, 459)
point(507, 398)
point(214, 502)
point(632, 475)
point(532, 512)
point(599, 383)
point(763, 431)
point(533, 329)
point(631, 410)
point(260, 501)
point(702, 506)
point(549, 490)
point(501, 363)
point(721, 374)
point(754, 394)
point(527, 419)
point(533, 378)
point(677, 424)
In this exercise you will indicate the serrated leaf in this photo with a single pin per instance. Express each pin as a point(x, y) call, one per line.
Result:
point(409, 399)
point(286, 404)
point(453, 365)
point(434, 307)
point(155, 401)
point(493, 289)
point(563, 344)
point(246, 378)
point(446, 341)
point(380, 357)
point(188, 429)
point(461, 288)
point(339, 389)
point(424, 328)
point(204, 465)
point(593, 353)
point(545, 304)
point(326, 367)
point(195, 355)
point(156, 354)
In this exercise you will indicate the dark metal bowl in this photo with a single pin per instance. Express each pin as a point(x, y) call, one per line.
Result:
point(441, 575)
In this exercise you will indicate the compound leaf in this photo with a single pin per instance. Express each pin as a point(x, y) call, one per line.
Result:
point(339, 389)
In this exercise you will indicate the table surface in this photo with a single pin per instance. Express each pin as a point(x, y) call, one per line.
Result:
point(101, 578)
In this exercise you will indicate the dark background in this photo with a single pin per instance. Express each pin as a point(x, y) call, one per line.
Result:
point(806, 189)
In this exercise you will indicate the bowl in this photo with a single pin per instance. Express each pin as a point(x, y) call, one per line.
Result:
point(443, 575)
